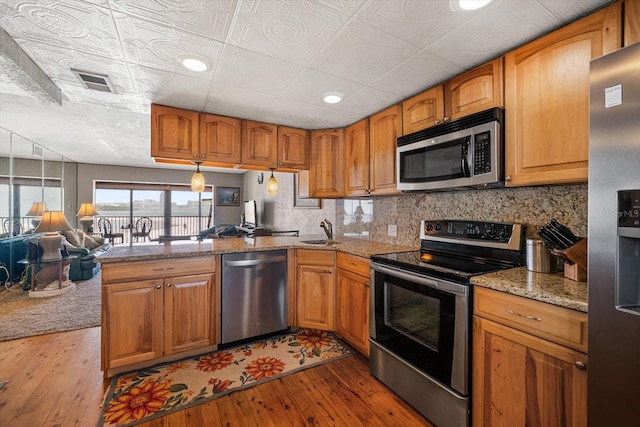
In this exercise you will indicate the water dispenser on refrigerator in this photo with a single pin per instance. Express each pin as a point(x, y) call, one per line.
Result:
point(628, 252)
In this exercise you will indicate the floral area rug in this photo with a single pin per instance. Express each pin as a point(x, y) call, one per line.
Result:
point(153, 392)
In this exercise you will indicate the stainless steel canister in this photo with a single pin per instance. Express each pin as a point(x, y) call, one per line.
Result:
point(539, 258)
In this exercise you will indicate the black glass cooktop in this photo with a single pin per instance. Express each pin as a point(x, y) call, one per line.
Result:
point(452, 267)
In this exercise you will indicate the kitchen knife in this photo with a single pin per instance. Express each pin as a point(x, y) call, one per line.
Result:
point(547, 238)
point(563, 242)
point(565, 231)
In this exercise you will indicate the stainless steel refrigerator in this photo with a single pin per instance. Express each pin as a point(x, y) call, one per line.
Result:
point(613, 371)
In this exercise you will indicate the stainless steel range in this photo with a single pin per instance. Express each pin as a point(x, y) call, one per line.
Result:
point(421, 310)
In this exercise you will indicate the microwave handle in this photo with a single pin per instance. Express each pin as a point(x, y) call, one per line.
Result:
point(466, 154)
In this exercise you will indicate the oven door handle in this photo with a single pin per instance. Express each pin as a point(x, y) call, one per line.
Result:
point(452, 288)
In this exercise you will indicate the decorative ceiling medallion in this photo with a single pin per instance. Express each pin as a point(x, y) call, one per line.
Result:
point(55, 22)
point(166, 50)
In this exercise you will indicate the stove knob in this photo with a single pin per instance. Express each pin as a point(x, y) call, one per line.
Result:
point(429, 227)
point(438, 227)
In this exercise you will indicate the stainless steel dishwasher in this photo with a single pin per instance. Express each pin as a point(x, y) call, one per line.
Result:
point(254, 294)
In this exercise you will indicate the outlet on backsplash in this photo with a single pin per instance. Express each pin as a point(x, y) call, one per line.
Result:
point(392, 230)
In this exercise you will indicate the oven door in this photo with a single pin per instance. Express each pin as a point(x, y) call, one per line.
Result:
point(424, 321)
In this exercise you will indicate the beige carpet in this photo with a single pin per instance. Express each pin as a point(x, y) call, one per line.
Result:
point(21, 316)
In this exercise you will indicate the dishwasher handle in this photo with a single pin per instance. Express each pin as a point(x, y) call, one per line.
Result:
point(252, 262)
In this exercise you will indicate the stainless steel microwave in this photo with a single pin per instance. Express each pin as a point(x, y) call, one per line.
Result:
point(464, 153)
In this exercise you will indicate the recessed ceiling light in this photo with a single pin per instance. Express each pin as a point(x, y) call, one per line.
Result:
point(332, 97)
point(472, 4)
point(194, 63)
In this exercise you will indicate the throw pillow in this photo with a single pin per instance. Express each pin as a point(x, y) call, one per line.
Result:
point(90, 242)
point(74, 238)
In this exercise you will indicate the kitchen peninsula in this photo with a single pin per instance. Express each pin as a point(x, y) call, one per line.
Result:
point(161, 302)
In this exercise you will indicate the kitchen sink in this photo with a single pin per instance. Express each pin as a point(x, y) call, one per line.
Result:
point(319, 242)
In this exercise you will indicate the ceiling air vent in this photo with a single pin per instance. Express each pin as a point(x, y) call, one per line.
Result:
point(95, 81)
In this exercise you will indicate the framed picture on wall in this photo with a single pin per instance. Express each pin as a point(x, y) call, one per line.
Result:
point(303, 203)
point(227, 196)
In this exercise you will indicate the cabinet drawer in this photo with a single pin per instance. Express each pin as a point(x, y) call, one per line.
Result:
point(157, 269)
point(557, 324)
point(314, 257)
point(353, 263)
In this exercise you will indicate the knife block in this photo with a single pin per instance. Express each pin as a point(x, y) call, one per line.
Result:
point(575, 261)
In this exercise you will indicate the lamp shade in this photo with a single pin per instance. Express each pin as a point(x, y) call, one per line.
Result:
point(87, 209)
point(37, 209)
point(272, 185)
point(197, 180)
point(53, 221)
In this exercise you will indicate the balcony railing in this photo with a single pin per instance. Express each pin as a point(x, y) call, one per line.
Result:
point(179, 226)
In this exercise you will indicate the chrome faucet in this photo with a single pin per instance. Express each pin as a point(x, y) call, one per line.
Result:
point(328, 228)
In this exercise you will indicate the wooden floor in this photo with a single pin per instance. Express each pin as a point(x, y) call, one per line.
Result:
point(56, 381)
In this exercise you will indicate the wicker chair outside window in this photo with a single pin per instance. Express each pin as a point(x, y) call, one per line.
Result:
point(12, 226)
point(143, 228)
point(105, 228)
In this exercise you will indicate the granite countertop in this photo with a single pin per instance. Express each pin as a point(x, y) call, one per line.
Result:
point(187, 248)
point(550, 288)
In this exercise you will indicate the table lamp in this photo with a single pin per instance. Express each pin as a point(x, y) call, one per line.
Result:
point(86, 212)
point(52, 222)
point(36, 211)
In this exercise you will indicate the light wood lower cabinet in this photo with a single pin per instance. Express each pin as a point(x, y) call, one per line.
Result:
point(153, 310)
point(519, 378)
point(352, 300)
point(315, 289)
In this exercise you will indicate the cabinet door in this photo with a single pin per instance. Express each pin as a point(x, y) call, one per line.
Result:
point(326, 167)
point(259, 144)
point(423, 110)
point(131, 322)
point(352, 309)
point(522, 380)
point(188, 308)
point(547, 100)
point(476, 90)
point(631, 22)
point(315, 296)
point(384, 128)
point(293, 148)
point(174, 133)
point(220, 139)
point(356, 159)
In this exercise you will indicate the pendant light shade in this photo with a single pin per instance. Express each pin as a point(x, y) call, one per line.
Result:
point(272, 185)
point(197, 180)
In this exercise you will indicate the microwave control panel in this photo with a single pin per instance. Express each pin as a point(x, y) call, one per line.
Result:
point(470, 230)
point(482, 153)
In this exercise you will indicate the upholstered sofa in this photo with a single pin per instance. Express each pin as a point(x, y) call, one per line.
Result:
point(12, 250)
point(86, 248)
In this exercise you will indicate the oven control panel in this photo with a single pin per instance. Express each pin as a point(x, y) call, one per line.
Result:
point(467, 230)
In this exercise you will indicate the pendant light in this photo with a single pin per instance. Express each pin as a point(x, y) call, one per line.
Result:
point(272, 184)
point(197, 180)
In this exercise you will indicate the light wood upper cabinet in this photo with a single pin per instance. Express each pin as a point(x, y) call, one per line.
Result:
point(175, 133)
point(384, 128)
point(631, 22)
point(529, 362)
point(259, 144)
point(356, 159)
point(293, 148)
point(352, 300)
point(326, 165)
point(476, 90)
point(423, 110)
point(547, 100)
point(315, 289)
point(220, 138)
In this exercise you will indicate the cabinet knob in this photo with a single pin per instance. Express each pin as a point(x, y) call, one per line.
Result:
point(195, 156)
point(168, 285)
point(203, 156)
point(158, 287)
point(581, 365)
point(446, 119)
point(438, 121)
point(367, 285)
point(508, 178)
